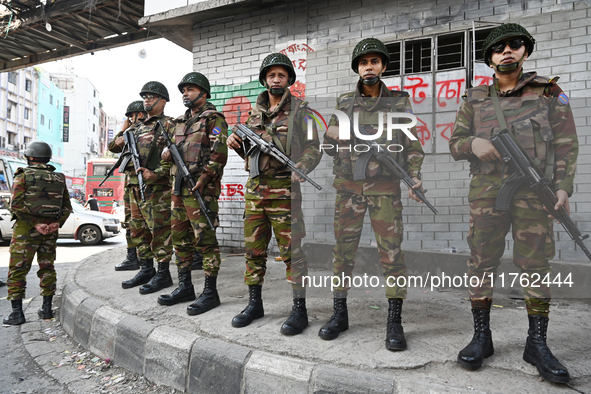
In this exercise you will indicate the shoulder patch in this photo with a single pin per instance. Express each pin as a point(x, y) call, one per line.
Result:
point(216, 131)
point(563, 99)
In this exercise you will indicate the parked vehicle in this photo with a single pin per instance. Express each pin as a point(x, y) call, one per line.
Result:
point(89, 227)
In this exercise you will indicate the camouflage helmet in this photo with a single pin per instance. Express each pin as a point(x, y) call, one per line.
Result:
point(136, 106)
point(197, 79)
point(503, 32)
point(369, 45)
point(276, 59)
point(39, 150)
point(155, 88)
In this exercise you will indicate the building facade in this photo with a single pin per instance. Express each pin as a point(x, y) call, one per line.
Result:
point(435, 55)
point(50, 117)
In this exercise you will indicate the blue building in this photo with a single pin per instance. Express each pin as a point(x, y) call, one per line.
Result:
point(50, 117)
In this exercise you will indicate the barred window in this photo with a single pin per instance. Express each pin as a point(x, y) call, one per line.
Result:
point(417, 56)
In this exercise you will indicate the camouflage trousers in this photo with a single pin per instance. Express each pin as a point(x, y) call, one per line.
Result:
point(190, 232)
point(150, 222)
point(127, 210)
point(23, 246)
point(533, 238)
point(385, 213)
point(262, 216)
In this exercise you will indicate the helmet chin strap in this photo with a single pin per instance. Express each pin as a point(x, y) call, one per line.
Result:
point(507, 68)
point(371, 81)
point(191, 103)
point(149, 107)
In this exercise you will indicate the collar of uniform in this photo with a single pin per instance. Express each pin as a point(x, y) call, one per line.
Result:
point(263, 102)
point(42, 166)
point(365, 101)
point(154, 118)
point(524, 79)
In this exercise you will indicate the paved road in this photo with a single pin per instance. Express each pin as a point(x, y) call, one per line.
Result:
point(18, 371)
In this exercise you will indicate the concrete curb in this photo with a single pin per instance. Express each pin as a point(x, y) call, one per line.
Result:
point(192, 363)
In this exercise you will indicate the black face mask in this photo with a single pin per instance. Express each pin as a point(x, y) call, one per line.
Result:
point(191, 103)
point(507, 68)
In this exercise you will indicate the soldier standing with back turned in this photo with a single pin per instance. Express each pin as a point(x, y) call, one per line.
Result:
point(200, 135)
point(40, 205)
point(538, 114)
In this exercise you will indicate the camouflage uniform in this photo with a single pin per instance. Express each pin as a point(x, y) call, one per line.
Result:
point(538, 113)
point(204, 151)
point(39, 195)
point(126, 204)
point(271, 197)
point(379, 192)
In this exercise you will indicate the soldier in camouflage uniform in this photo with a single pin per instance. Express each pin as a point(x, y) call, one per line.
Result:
point(538, 114)
point(200, 135)
point(150, 219)
point(380, 191)
point(271, 198)
point(135, 113)
point(40, 206)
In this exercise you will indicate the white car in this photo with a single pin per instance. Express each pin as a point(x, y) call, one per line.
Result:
point(89, 227)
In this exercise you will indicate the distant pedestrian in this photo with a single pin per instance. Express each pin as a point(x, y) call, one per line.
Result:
point(92, 203)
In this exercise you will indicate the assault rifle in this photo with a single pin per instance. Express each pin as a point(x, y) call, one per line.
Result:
point(130, 152)
point(254, 145)
point(375, 150)
point(524, 171)
point(184, 173)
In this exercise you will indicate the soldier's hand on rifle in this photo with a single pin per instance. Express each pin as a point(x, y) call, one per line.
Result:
point(562, 202)
point(161, 141)
point(166, 156)
point(199, 186)
point(42, 228)
point(418, 186)
point(294, 175)
point(53, 227)
point(120, 141)
point(147, 174)
point(234, 142)
point(485, 150)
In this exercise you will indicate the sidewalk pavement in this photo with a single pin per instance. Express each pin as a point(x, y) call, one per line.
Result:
point(205, 354)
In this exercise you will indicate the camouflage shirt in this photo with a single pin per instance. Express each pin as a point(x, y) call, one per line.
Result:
point(30, 192)
point(203, 146)
point(537, 112)
point(379, 180)
point(275, 179)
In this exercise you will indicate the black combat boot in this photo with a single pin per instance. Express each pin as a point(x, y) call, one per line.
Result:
point(17, 316)
point(197, 263)
point(254, 309)
point(161, 280)
point(185, 292)
point(2, 283)
point(339, 321)
point(45, 312)
point(146, 273)
point(537, 353)
point(208, 300)
point(131, 262)
point(394, 333)
point(481, 345)
point(298, 318)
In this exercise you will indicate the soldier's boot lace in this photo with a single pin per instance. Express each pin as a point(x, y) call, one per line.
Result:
point(131, 262)
point(298, 318)
point(197, 263)
point(146, 273)
point(208, 300)
point(184, 293)
point(339, 321)
point(161, 280)
point(481, 346)
point(537, 352)
point(17, 316)
point(254, 309)
point(394, 333)
point(45, 311)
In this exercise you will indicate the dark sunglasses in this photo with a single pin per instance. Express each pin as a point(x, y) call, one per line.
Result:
point(513, 44)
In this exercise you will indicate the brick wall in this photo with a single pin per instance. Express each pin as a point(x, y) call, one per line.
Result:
point(230, 51)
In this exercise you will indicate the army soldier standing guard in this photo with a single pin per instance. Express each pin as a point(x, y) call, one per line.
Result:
point(379, 192)
point(150, 219)
point(135, 113)
point(200, 135)
point(538, 114)
point(40, 205)
point(271, 198)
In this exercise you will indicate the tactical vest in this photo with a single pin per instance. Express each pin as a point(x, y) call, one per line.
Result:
point(193, 142)
point(44, 192)
point(526, 116)
point(345, 160)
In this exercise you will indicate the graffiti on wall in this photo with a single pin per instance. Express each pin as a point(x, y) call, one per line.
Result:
point(297, 52)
